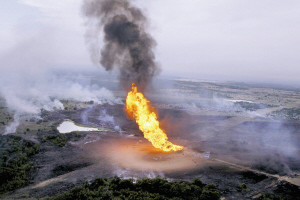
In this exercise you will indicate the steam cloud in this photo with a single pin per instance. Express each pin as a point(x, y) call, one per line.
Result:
point(127, 44)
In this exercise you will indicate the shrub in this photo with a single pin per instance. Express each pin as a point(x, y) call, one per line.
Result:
point(145, 188)
point(15, 164)
point(55, 139)
point(268, 196)
point(210, 192)
point(242, 187)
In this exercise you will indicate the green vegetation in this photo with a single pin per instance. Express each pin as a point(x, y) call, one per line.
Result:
point(89, 102)
point(145, 188)
point(61, 140)
point(268, 196)
point(56, 139)
point(254, 106)
point(15, 165)
point(77, 135)
point(242, 187)
point(286, 113)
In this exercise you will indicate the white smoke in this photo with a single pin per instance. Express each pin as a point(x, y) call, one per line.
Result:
point(104, 117)
point(31, 93)
point(29, 101)
point(29, 81)
point(31, 96)
point(109, 120)
point(12, 127)
point(128, 173)
point(83, 92)
point(85, 114)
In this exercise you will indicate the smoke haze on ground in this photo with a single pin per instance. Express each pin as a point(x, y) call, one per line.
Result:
point(228, 128)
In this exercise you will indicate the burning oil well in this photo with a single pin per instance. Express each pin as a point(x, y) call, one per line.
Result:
point(139, 109)
point(128, 46)
point(210, 138)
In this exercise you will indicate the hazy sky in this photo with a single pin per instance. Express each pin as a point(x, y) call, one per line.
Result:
point(207, 39)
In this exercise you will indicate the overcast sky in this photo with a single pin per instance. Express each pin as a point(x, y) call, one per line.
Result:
point(206, 39)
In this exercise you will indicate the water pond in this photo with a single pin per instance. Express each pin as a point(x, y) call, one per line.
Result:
point(69, 126)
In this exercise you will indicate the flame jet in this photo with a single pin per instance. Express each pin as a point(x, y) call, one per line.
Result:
point(139, 109)
point(129, 47)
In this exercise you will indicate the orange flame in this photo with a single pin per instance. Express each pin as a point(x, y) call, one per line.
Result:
point(138, 108)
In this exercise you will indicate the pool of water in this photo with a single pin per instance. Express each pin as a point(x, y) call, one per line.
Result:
point(69, 126)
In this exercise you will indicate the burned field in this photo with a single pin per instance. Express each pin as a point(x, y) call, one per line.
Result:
point(223, 145)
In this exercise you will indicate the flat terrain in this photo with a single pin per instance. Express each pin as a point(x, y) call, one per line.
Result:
point(233, 133)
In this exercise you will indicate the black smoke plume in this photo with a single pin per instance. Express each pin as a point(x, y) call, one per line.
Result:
point(127, 45)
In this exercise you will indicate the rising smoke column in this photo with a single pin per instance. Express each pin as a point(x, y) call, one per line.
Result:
point(127, 45)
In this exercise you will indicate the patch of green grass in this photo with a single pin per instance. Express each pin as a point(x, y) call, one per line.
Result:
point(61, 140)
point(242, 187)
point(56, 140)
